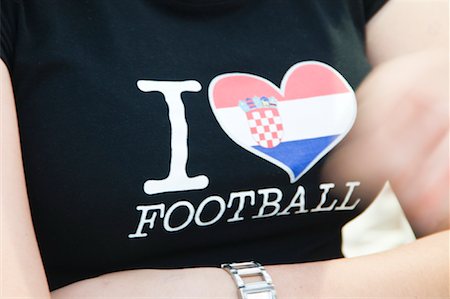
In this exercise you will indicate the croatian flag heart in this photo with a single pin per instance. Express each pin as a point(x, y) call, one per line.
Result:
point(293, 126)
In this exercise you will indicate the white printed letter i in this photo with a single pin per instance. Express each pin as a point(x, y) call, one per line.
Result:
point(177, 180)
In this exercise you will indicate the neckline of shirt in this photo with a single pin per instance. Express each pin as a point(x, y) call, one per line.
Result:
point(203, 5)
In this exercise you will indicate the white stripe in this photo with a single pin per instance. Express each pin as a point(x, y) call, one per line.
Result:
point(302, 118)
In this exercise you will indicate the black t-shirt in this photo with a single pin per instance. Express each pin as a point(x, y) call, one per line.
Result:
point(161, 134)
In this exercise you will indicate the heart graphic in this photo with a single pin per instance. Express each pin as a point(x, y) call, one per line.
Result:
point(293, 126)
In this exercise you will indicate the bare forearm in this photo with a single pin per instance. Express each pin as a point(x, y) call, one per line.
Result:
point(419, 269)
point(180, 283)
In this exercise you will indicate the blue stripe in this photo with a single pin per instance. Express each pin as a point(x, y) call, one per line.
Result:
point(298, 154)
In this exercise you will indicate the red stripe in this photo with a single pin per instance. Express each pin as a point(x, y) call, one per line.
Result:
point(305, 81)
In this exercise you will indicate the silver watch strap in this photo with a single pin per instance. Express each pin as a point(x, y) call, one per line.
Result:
point(262, 289)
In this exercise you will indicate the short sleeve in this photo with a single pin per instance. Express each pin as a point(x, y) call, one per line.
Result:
point(371, 7)
point(8, 24)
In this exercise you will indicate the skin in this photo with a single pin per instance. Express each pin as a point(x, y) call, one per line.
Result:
point(403, 140)
point(22, 272)
point(418, 54)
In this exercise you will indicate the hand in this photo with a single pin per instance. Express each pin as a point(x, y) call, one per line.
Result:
point(402, 135)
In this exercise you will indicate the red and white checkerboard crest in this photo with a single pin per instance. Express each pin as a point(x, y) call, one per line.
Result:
point(264, 120)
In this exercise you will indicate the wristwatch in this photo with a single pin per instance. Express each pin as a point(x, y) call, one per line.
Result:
point(252, 280)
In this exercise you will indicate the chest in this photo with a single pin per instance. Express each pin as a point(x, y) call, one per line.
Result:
point(143, 126)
